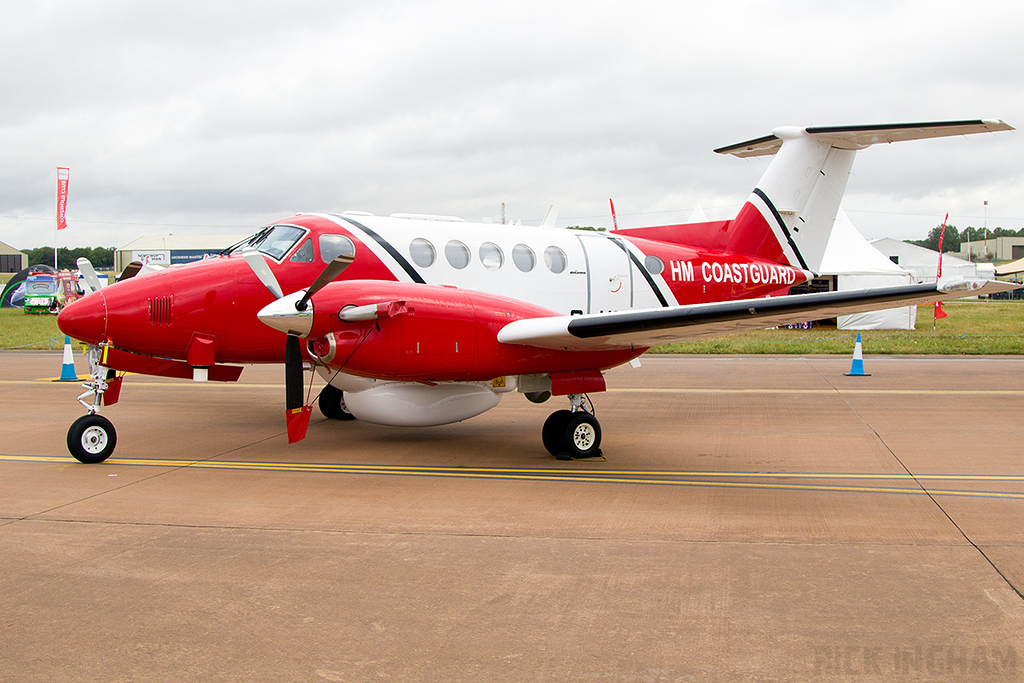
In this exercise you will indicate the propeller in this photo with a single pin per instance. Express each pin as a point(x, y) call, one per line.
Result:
point(130, 271)
point(88, 273)
point(295, 320)
point(138, 268)
point(333, 270)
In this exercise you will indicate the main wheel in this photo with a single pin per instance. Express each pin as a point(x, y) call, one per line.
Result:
point(553, 433)
point(91, 439)
point(582, 435)
point(332, 404)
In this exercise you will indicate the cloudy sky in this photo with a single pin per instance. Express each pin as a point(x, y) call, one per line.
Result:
point(218, 117)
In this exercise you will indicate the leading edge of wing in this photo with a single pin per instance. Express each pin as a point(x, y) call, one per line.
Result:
point(650, 327)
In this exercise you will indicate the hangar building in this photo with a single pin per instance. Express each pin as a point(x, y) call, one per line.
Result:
point(166, 250)
point(12, 260)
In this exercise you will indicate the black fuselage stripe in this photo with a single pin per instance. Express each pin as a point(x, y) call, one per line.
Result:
point(782, 224)
point(643, 271)
point(388, 247)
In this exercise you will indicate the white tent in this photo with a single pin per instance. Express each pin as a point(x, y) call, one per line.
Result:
point(698, 215)
point(924, 263)
point(859, 265)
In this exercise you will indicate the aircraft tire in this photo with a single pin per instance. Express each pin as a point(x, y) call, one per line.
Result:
point(582, 435)
point(91, 439)
point(332, 404)
point(553, 433)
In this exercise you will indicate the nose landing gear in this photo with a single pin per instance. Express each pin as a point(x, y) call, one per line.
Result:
point(91, 438)
point(572, 434)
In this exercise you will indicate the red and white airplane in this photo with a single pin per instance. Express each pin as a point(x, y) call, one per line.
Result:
point(424, 320)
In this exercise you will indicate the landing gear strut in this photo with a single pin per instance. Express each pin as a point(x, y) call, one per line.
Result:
point(571, 434)
point(91, 438)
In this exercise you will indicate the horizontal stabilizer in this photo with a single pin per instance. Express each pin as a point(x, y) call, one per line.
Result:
point(650, 327)
point(859, 137)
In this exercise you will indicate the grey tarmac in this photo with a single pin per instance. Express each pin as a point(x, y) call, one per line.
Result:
point(756, 519)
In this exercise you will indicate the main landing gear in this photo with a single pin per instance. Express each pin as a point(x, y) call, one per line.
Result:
point(91, 438)
point(332, 404)
point(572, 434)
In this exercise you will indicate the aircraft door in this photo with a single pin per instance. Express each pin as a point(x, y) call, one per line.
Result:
point(609, 274)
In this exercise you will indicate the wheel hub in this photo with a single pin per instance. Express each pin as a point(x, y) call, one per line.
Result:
point(583, 436)
point(94, 440)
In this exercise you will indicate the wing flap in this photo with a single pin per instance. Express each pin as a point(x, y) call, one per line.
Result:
point(650, 327)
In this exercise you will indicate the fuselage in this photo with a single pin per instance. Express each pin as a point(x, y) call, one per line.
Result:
point(479, 277)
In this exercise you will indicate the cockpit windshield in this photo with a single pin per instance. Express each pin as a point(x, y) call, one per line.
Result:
point(274, 240)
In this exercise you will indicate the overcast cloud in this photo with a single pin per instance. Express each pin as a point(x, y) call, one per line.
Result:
point(218, 117)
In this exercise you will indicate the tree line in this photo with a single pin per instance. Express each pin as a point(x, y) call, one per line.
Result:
point(102, 258)
point(953, 238)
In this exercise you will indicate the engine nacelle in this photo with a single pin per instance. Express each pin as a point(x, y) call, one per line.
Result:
point(420, 405)
point(405, 332)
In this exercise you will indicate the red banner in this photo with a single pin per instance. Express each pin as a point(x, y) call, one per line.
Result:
point(939, 313)
point(62, 197)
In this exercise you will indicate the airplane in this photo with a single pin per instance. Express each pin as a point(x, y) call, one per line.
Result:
point(416, 320)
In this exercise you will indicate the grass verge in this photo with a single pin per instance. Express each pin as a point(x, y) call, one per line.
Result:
point(21, 331)
point(973, 328)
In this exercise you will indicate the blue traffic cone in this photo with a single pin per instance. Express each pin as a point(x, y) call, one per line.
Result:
point(67, 371)
point(857, 368)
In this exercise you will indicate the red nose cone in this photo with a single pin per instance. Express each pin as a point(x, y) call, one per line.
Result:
point(85, 319)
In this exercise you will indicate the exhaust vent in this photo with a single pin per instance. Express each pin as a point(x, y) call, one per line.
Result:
point(160, 310)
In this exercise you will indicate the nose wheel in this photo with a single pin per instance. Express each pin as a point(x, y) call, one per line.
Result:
point(91, 439)
point(572, 434)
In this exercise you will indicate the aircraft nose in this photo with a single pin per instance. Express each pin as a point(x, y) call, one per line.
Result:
point(85, 319)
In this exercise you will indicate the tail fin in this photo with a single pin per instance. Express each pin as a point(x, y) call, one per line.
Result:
point(789, 216)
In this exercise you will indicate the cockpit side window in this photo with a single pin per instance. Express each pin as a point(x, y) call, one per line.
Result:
point(303, 254)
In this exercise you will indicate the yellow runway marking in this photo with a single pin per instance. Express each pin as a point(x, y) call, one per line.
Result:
point(760, 480)
point(616, 390)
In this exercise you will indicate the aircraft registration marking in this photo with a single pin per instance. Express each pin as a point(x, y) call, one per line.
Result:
point(721, 479)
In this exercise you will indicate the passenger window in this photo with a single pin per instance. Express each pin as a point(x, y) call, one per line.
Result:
point(333, 246)
point(303, 254)
point(654, 265)
point(554, 259)
point(491, 256)
point(422, 252)
point(523, 257)
point(457, 254)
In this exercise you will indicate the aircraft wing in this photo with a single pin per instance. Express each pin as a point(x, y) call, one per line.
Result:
point(650, 327)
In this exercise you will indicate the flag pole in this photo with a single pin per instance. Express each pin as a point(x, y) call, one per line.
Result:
point(939, 313)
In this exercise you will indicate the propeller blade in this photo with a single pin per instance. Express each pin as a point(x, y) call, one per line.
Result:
point(333, 270)
point(259, 266)
point(130, 271)
point(88, 273)
point(296, 414)
point(292, 373)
